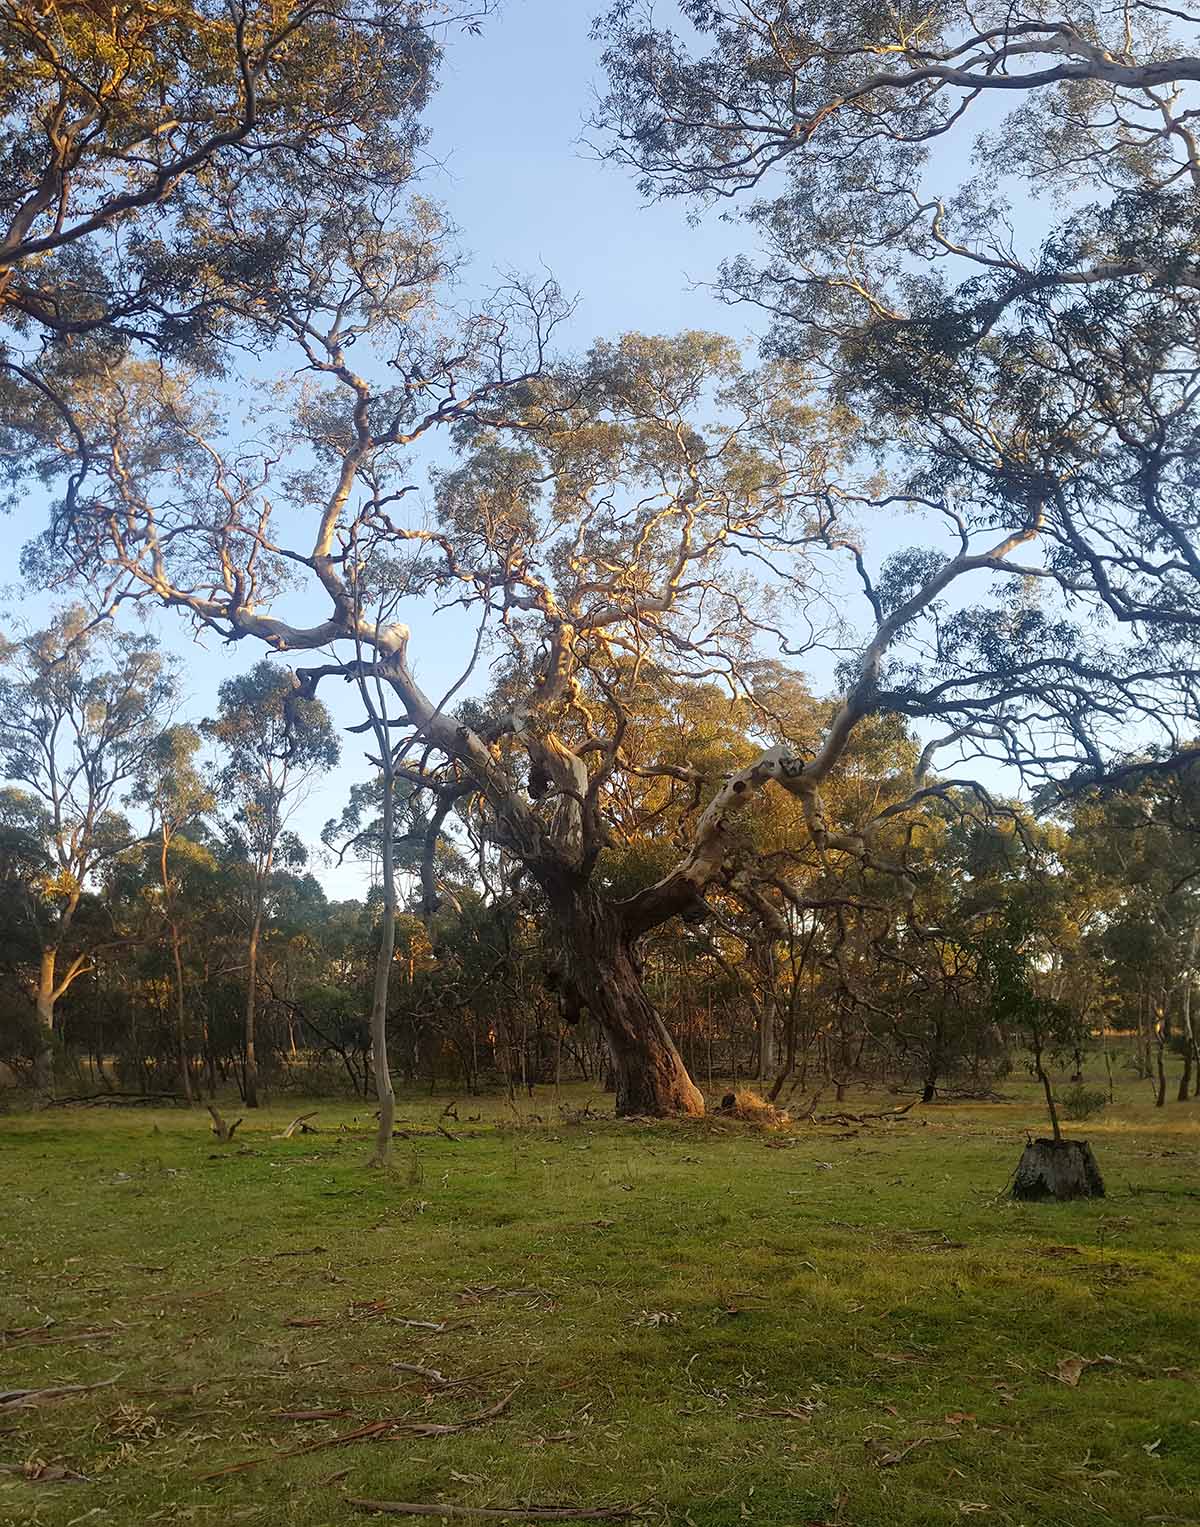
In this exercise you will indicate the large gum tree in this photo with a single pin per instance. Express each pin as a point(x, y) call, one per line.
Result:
point(1021, 359)
point(655, 509)
point(649, 511)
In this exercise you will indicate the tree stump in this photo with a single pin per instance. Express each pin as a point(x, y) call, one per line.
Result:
point(221, 1128)
point(1059, 1169)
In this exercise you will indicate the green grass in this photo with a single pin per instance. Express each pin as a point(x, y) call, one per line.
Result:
point(720, 1325)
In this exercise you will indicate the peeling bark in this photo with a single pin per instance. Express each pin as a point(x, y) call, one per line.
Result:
point(43, 1065)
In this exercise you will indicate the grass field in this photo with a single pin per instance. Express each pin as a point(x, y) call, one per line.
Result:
point(711, 1324)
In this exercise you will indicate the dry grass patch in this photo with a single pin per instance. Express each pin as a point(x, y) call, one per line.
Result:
point(748, 1107)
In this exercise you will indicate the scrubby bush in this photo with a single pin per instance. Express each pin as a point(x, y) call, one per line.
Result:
point(1083, 1102)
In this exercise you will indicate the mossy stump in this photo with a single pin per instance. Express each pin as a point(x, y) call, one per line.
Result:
point(1059, 1169)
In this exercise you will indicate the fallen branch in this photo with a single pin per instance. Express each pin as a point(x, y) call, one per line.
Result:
point(13, 1332)
point(37, 1340)
point(26, 1399)
point(300, 1123)
point(496, 1513)
point(389, 1426)
point(862, 1118)
point(45, 1474)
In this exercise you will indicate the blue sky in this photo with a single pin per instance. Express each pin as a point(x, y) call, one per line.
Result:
point(509, 162)
point(508, 125)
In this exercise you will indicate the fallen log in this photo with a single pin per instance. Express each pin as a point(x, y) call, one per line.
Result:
point(115, 1099)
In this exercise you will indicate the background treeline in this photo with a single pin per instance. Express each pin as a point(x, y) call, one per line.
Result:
point(162, 919)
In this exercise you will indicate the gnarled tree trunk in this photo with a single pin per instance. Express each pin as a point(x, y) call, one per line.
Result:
point(599, 971)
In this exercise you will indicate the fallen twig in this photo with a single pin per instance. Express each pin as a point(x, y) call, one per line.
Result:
point(447, 1429)
point(479, 1291)
point(887, 1459)
point(311, 1415)
point(431, 1374)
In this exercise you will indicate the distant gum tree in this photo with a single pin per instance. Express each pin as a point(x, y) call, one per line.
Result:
point(81, 708)
point(273, 741)
point(177, 796)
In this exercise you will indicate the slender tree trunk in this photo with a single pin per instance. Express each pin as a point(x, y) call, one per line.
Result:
point(1048, 1089)
point(251, 1078)
point(180, 1018)
point(708, 1034)
point(43, 1061)
point(767, 1051)
point(383, 974)
point(1143, 1039)
point(1190, 1052)
point(185, 1064)
point(1160, 1046)
point(602, 974)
